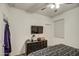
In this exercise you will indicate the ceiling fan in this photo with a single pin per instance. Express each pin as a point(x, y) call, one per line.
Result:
point(54, 5)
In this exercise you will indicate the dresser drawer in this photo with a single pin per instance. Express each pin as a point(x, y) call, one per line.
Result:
point(34, 46)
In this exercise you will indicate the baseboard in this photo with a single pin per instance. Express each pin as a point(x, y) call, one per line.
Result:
point(23, 54)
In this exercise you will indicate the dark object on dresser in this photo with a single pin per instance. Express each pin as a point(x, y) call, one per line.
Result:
point(39, 39)
point(35, 45)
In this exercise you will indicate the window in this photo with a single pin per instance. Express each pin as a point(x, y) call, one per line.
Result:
point(59, 28)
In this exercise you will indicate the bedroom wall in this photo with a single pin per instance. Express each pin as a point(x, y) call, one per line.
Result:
point(71, 26)
point(3, 10)
point(1, 51)
point(20, 26)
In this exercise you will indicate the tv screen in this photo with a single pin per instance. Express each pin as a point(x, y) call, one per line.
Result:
point(36, 29)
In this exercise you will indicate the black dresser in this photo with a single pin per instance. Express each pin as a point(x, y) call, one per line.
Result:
point(34, 46)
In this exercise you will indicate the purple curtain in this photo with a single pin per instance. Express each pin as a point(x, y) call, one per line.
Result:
point(7, 43)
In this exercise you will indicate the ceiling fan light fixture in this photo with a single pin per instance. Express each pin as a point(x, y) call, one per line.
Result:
point(51, 6)
point(57, 6)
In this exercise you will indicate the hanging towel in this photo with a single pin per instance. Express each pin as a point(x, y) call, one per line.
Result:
point(7, 43)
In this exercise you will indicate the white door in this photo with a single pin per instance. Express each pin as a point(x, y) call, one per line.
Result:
point(49, 34)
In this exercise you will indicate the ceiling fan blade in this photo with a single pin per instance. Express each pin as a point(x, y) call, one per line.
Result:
point(43, 8)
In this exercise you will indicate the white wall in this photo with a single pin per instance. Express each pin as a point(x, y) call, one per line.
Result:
point(71, 26)
point(3, 10)
point(20, 26)
point(1, 51)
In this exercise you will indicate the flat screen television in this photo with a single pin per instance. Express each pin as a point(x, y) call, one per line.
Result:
point(36, 29)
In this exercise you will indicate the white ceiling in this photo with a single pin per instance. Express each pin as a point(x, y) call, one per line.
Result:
point(36, 8)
